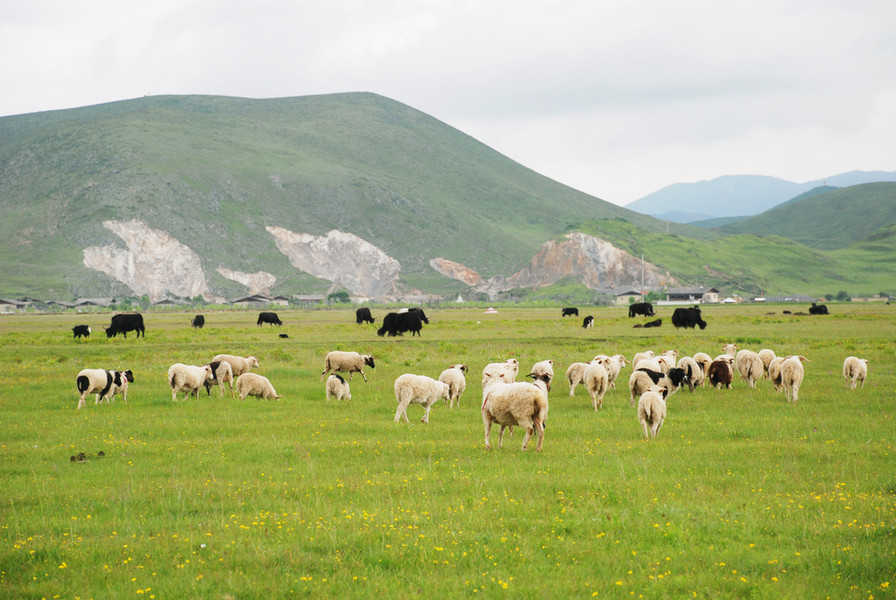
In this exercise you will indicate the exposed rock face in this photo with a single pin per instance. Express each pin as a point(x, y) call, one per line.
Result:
point(342, 258)
point(454, 270)
point(154, 263)
point(258, 283)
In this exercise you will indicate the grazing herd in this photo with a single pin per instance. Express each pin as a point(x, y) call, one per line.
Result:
point(505, 401)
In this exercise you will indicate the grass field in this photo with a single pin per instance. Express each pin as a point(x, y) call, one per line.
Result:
point(742, 495)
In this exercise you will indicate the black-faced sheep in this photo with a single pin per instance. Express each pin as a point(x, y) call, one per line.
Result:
point(105, 384)
point(222, 373)
point(253, 384)
point(855, 370)
point(457, 383)
point(693, 370)
point(511, 404)
point(652, 410)
point(187, 378)
point(641, 379)
point(418, 389)
point(347, 362)
point(543, 370)
point(338, 388)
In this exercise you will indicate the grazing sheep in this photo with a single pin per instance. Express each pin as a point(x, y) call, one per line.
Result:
point(704, 360)
point(855, 370)
point(543, 370)
point(614, 365)
point(720, 372)
point(105, 384)
point(509, 404)
point(641, 356)
point(574, 375)
point(652, 410)
point(667, 360)
point(457, 383)
point(774, 372)
point(596, 382)
point(766, 356)
point(238, 364)
point(694, 371)
point(511, 366)
point(418, 389)
point(750, 366)
point(641, 379)
point(222, 373)
point(347, 362)
point(337, 388)
point(792, 374)
point(730, 349)
point(252, 384)
point(187, 378)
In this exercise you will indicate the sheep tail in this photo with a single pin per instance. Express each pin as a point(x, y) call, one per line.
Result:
point(83, 383)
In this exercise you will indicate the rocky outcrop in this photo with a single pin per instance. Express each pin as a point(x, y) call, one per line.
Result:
point(455, 270)
point(258, 283)
point(342, 258)
point(154, 263)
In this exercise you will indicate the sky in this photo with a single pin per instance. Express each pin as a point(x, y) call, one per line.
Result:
point(616, 98)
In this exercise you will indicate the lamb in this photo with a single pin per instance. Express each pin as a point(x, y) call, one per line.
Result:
point(750, 366)
point(641, 379)
point(238, 364)
point(720, 372)
point(187, 378)
point(574, 375)
point(766, 356)
point(252, 384)
point(347, 362)
point(508, 404)
point(596, 382)
point(457, 383)
point(855, 370)
point(544, 368)
point(222, 373)
point(694, 371)
point(105, 384)
point(418, 389)
point(792, 374)
point(652, 410)
point(703, 359)
point(338, 388)
point(511, 366)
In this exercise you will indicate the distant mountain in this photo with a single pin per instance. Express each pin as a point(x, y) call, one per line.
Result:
point(738, 195)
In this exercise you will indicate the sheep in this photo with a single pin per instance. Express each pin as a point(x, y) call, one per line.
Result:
point(652, 410)
point(641, 379)
point(187, 378)
point(457, 383)
point(694, 371)
point(730, 349)
point(792, 374)
point(222, 373)
point(703, 359)
point(238, 364)
point(774, 372)
point(338, 388)
point(613, 365)
point(720, 372)
point(649, 363)
point(750, 366)
point(105, 384)
point(574, 375)
point(641, 356)
point(596, 382)
point(543, 368)
point(511, 366)
point(252, 384)
point(855, 370)
point(766, 356)
point(508, 404)
point(418, 389)
point(347, 362)
point(667, 360)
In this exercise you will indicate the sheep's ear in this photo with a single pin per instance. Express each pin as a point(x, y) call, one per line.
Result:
point(665, 392)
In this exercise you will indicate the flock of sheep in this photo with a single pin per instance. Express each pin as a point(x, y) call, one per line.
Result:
point(505, 401)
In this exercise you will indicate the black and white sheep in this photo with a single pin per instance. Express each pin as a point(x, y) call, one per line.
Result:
point(543, 370)
point(105, 384)
point(641, 379)
point(693, 370)
point(222, 373)
point(338, 388)
point(339, 361)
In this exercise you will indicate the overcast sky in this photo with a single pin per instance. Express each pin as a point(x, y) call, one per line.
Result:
point(617, 98)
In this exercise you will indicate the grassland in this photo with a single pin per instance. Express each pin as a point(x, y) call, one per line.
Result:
point(742, 495)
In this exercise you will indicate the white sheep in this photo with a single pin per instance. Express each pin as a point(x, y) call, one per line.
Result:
point(667, 360)
point(574, 375)
point(774, 372)
point(418, 389)
point(730, 350)
point(543, 370)
point(792, 374)
point(457, 383)
point(650, 363)
point(750, 366)
point(238, 364)
point(641, 356)
point(509, 404)
point(766, 356)
point(105, 384)
point(511, 366)
point(252, 384)
point(596, 382)
point(694, 371)
point(704, 360)
point(338, 388)
point(187, 378)
point(855, 370)
point(222, 373)
point(613, 365)
point(347, 362)
point(652, 410)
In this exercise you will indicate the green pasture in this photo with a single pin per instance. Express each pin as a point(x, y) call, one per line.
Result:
point(742, 494)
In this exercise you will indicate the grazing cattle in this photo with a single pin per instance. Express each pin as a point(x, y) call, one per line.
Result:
point(818, 309)
point(124, 322)
point(198, 322)
point(688, 317)
point(570, 312)
point(397, 323)
point(641, 308)
point(268, 317)
point(588, 322)
point(81, 330)
point(362, 315)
